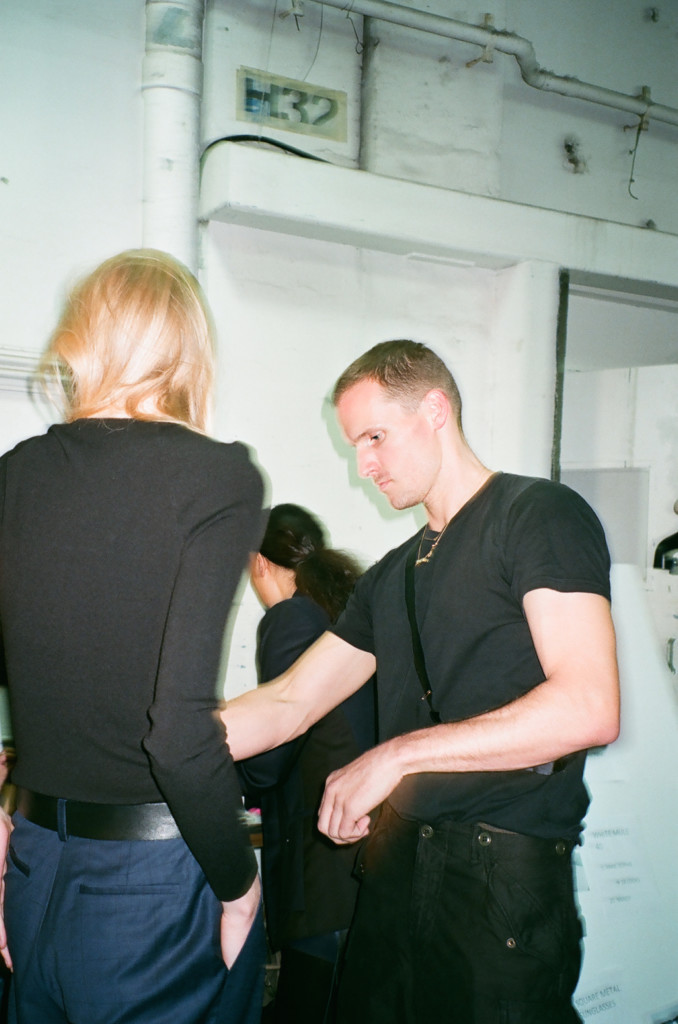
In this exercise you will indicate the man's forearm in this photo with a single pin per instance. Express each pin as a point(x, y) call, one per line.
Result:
point(545, 724)
point(325, 675)
point(259, 720)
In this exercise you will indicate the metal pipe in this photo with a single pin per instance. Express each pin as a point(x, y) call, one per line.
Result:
point(515, 46)
point(17, 368)
point(172, 91)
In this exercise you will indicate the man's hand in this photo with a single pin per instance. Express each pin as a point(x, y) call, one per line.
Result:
point(236, 920)
point(5, 833)
point(355, 790)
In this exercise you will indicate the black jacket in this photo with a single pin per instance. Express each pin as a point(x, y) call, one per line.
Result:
point(309, 888)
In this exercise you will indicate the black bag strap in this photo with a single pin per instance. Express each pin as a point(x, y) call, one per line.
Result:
point(417, 649)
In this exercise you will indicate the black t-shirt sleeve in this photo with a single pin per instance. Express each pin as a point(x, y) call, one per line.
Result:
point(355, 624)
point(553, 539)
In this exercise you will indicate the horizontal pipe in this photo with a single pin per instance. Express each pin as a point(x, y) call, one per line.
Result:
point(509, 43)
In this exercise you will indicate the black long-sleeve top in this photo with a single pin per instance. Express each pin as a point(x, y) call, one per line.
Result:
point(122, 543)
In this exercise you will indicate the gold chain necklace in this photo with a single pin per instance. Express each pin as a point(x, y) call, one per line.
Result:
point(429, 555)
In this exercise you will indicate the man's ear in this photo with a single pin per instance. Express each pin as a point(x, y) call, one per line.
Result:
point(437, 406)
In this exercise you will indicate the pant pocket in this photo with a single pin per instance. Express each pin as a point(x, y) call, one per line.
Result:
point(536, 918)
point(14, 860)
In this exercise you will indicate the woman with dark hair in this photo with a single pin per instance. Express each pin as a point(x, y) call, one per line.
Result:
point(132, 887)
point(309, 888)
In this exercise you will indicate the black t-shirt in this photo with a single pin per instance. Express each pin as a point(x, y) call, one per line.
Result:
point(121, 546)
point(514, 535)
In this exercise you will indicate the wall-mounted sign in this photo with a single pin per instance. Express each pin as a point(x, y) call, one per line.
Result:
point(291, 106)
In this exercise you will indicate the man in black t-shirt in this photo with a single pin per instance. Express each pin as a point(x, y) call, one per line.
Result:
point(466, 911)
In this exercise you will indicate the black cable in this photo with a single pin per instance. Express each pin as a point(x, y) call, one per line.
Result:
point(261, 138)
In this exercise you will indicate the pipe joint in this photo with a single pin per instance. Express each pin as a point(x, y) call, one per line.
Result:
point(175, 25)
point(166, 69)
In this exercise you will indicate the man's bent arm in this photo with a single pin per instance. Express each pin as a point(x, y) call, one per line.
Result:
point(576, 707)
point(325, 675)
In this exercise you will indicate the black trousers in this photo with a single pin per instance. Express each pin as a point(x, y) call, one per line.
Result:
point(305, 989)
point(461, 924)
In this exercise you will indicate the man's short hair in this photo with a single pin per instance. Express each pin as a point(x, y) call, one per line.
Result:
point(407, 370)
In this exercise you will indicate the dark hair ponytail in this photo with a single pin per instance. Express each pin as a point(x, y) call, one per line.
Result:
point(294, 539)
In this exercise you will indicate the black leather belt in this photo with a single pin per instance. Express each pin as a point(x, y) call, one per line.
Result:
point(97, 821)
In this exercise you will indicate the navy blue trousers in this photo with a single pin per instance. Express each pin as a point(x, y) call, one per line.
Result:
point(108, 932)
point(462, 924)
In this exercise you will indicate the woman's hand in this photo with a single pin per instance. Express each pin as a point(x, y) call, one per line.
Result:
point(236, 920)
point(5, 833)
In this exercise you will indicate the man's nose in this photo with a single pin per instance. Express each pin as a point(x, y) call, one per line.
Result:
point(366, 462)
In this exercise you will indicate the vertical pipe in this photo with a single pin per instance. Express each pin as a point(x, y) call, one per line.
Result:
point(172, 91)
point(561, 346)
point(366, 96)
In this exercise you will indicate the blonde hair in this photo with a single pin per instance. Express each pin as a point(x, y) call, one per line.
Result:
point(137, 329)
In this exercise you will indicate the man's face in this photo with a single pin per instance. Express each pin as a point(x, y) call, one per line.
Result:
point(395, 447)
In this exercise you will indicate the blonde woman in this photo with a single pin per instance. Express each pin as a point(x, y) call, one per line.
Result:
point(132, 888)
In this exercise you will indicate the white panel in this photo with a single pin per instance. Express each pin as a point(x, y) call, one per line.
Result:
point(628, 890)
point(620, 499)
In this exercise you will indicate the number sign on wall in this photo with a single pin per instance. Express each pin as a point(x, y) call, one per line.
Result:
point(291, 106)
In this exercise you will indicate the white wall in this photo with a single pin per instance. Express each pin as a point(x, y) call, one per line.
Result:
point(70, 172)
point(70, 169)
point(293, 313)
point(318, 47)
point(615, 46)
point(429, 117)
